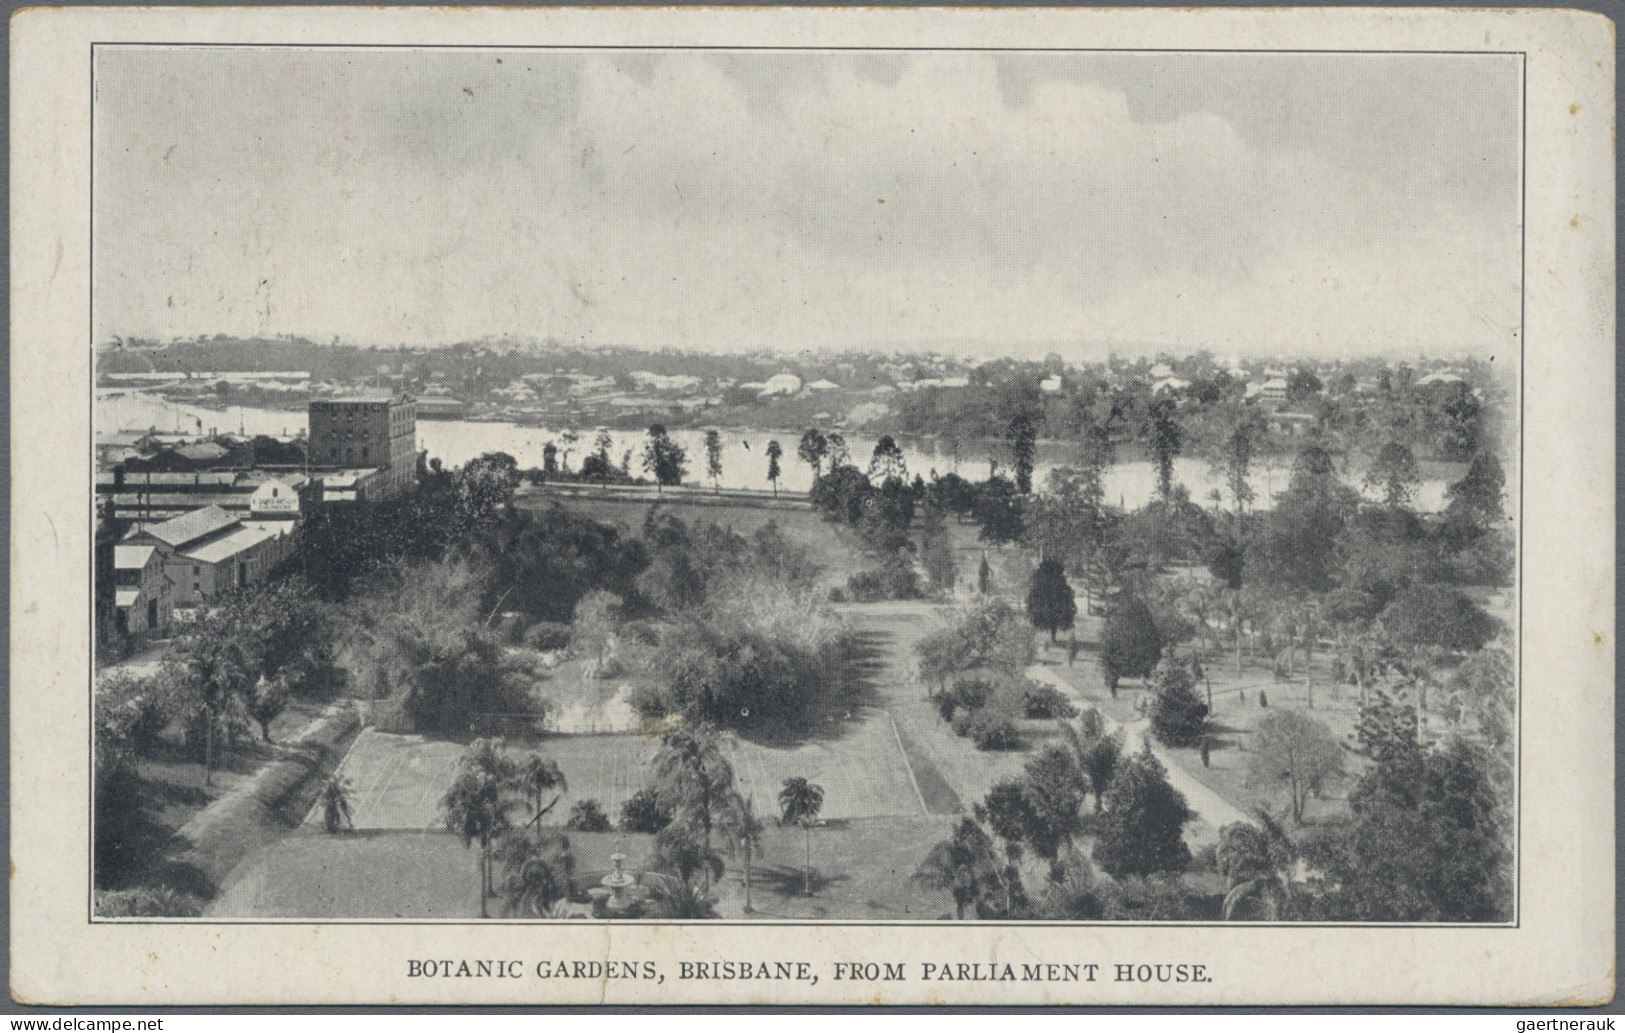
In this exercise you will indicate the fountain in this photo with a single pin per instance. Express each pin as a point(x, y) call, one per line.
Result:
point(612, 891)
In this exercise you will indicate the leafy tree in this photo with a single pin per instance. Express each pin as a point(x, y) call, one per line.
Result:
point(538, 871)
point(951, 493)
point(1050, 604)
point(843, 495)
point(799, 804)
point(812, 450)
point(664, 458)
point(1099, 755)
point(550, 460)
point(1475, 501)
point(1428, 840)
point(681, 850)
point(991, 635)
point(1301, 384)
point(1009, 812)
point(1438, 616)
point(1178, 715)
point(537, 776)
point(887, 460)
point(1236, 449)
point(1141, 831)
point(1055, 788)
point(1296, 752)
point(476, 804)
point(775, 452)
point(1164, 438)
point(835, 448)
point(1023, 438)
point(999, 511)
point(1296, 546)
point(266, 701)
point(485, 485)
point(1394, 474)
point(1256, 862)
point(588, 816)
point(643, 812)
point(1131, 644)
point(601, 446)
point(965, 865)
point(696, 782)
point(713, 458)
point(593, 628)
point(936, 551)
point(218, 671)
point(1483, 688)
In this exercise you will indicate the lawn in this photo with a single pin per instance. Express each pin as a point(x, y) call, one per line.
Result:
point(397, 781)
point(862, 872)
point(1237, 709)
point(951, 771)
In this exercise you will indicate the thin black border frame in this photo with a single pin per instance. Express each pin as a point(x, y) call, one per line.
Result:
point(1523, 190)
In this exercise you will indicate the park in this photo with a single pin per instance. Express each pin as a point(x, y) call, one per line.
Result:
point(893, 700)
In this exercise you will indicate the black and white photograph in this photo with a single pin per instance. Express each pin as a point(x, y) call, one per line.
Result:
point(550, 484)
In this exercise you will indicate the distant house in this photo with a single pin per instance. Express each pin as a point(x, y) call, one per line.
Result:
point(203, 452)
point(1436, 379)
point(1291, 424)
point(1273, 390)
point(1162, 370)
point(781, 384)
point(1170, 385)
point(1050, 385)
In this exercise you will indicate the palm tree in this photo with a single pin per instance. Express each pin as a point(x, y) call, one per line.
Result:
point(1257, 862)
point(476, 806)
point(964, 864)
point(679, 850)
point(538, 871)
point(800, 801)
point(696, 782)
point(749, 829)
point(671, 897)
point(539, 775)
point(336, 805)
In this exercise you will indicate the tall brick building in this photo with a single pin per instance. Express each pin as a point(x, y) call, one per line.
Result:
point(367, 433)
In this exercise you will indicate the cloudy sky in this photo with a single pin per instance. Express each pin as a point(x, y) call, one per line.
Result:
point(728, 200)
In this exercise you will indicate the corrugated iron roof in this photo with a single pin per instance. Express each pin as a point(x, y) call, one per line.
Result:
point(132, 557)
point(189, 527)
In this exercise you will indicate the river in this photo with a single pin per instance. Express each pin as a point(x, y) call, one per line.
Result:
point(744, 451)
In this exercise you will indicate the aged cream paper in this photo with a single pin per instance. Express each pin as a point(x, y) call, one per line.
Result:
point(1540, 274)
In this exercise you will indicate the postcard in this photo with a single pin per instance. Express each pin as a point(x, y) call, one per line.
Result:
point(797, 506)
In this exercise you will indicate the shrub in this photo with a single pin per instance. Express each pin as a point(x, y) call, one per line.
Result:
point(643, 812)
point(588, 816)
point(896, 578)
point(988, 730)
point(547, 636)
point(1041, 702)
point(966, 696)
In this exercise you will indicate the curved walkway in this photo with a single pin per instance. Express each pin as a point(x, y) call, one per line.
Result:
point(1213, 811)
